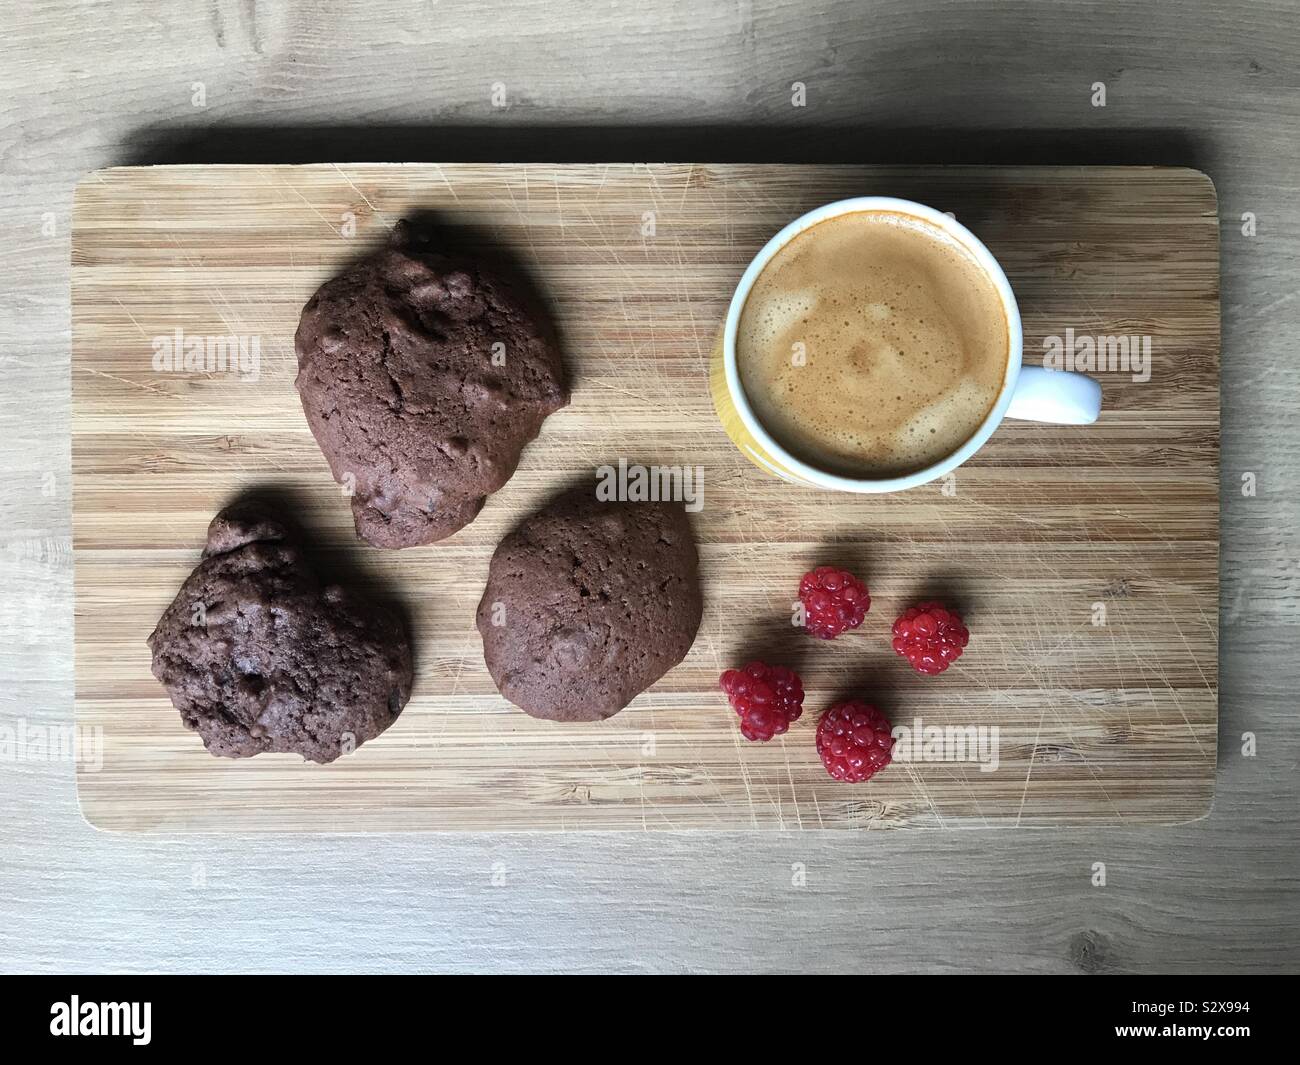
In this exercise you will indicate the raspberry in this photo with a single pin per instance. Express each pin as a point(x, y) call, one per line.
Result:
point(855, 741)
point(833, 601)
point(767, 698)
point(930, 636)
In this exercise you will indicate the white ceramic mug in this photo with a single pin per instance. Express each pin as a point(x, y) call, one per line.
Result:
point(1031, 393)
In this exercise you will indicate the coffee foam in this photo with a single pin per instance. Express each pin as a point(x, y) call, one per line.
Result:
point(904, 341)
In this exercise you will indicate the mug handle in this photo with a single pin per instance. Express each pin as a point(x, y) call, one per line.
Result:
point(1056, 396)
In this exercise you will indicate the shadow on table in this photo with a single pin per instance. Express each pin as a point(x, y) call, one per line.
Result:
point(163, 144)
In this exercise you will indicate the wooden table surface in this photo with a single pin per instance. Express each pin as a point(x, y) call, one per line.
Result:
point(84, 86)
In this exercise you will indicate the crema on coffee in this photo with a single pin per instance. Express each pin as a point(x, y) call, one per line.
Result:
point(872, 345)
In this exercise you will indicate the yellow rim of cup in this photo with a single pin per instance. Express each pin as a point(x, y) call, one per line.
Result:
point(734, 426)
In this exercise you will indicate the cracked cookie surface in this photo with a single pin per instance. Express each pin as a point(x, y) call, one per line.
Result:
point(258, 656)
point(423, 376)
point(588, 603)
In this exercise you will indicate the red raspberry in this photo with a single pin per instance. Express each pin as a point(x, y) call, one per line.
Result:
point(930, 636)
point(833, 601)
point(855, 741)
point(767, 698)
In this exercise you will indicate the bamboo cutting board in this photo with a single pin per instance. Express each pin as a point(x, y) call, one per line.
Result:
point(1085, 559)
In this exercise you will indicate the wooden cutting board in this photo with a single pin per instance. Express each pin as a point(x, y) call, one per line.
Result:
point(1085, 559)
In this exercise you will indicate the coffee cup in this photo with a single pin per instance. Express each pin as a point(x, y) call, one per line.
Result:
point(1027, 393)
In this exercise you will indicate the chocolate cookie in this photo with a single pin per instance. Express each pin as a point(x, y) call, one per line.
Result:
point(423, 376)
point(258, 656)
point(588, 603)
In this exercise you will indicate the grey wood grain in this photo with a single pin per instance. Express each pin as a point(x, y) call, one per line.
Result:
point(1199, 83)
